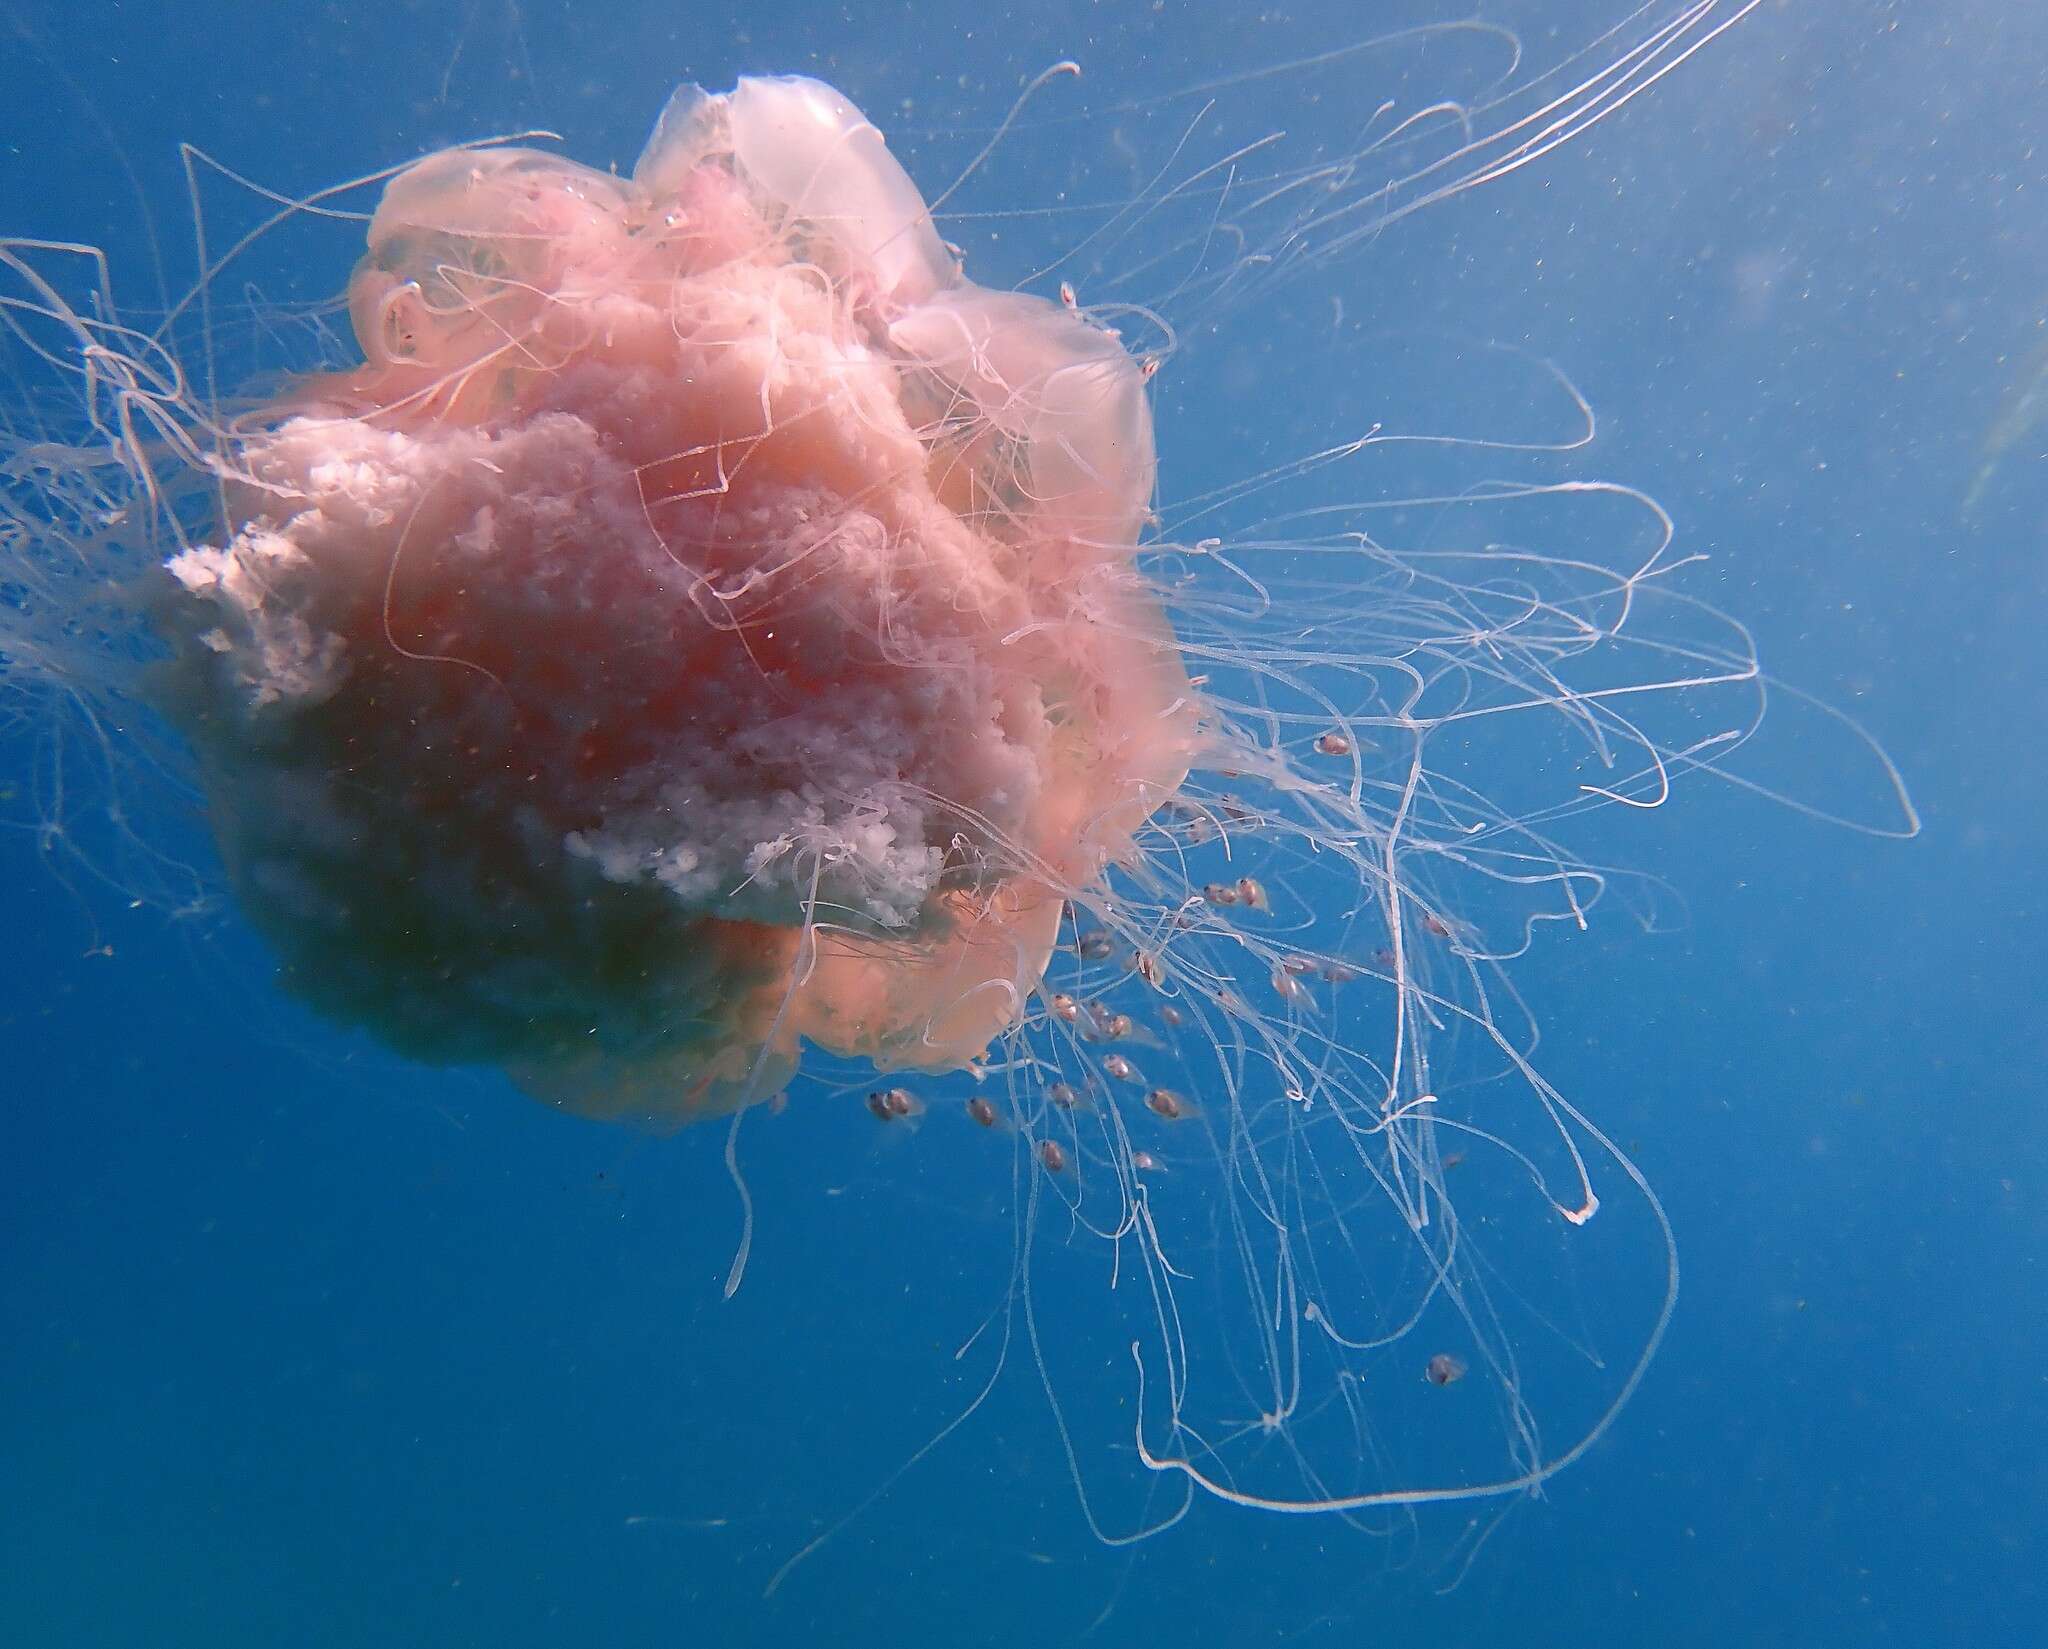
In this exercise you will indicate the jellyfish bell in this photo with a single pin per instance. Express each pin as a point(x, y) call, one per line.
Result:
point(705, 625)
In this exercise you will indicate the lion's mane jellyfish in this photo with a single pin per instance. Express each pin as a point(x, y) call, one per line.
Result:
point(708, 648)
point(706, 623)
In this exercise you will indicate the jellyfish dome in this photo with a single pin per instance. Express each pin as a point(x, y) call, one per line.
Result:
point(706, 624)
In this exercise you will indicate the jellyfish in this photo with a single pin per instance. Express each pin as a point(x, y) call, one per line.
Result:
point(704, 626)
point(699, 642)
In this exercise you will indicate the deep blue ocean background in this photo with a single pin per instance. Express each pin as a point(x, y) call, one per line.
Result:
point(301, 1346)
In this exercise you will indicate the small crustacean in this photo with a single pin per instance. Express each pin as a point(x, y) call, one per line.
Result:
point(1105, 1024)
point(1287, 981)
point(894, 1104)
point(1164, 1102)
point(1444, 1370)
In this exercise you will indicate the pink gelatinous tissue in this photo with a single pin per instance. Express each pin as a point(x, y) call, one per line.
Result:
point(706, 624)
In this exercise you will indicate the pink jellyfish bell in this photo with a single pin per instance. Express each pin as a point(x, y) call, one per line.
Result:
point(705, 624)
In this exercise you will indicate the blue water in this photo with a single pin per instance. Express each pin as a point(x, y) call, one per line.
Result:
point(301, 1346)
